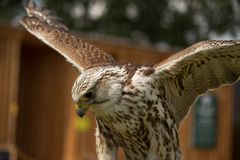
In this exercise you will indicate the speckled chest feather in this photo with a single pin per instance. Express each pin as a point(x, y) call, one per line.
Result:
point(142, 123)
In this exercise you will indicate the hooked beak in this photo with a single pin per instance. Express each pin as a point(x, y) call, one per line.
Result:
point(81, 111)
point(83, 105)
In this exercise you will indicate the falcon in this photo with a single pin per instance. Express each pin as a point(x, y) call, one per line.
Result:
point(137, 107)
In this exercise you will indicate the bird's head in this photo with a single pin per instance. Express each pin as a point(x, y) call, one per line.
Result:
point(98, 90)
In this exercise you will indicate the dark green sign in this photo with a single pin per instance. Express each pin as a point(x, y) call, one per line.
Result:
point(205, 122)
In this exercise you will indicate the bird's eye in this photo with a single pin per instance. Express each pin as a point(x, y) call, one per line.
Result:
point(89, 95)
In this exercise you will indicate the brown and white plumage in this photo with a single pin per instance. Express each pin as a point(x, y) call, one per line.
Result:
point(193, 71)
point(138, 108)
point(47, 27)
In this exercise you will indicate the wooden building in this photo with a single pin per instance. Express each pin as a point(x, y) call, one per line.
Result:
point(37, 115)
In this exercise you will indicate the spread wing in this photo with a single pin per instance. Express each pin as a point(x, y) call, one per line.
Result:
point(195, 70)
point(43, 24)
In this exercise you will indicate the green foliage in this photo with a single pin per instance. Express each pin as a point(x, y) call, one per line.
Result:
point(175, 22)
point(9, 9)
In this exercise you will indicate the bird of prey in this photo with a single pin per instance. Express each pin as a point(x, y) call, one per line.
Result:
point(137, 107)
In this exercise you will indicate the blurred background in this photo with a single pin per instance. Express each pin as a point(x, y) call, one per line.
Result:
point(37, 115)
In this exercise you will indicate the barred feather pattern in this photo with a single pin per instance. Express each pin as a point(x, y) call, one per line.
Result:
point(136, 118)
point(44, 15)
point(46, 26)
point(197, 69)
point(138, 108)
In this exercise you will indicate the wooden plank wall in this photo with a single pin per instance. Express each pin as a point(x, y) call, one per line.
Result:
point(223, 150)
point(236, 122)
point(44, 99)
point(9, 71)
point(46, 127)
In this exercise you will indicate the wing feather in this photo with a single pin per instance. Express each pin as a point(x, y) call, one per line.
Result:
point(195, 70)
point(46, 26)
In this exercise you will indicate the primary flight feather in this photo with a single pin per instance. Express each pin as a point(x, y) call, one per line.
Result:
point(137, 108)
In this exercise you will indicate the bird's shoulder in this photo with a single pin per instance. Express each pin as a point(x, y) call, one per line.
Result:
point(137, 71)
